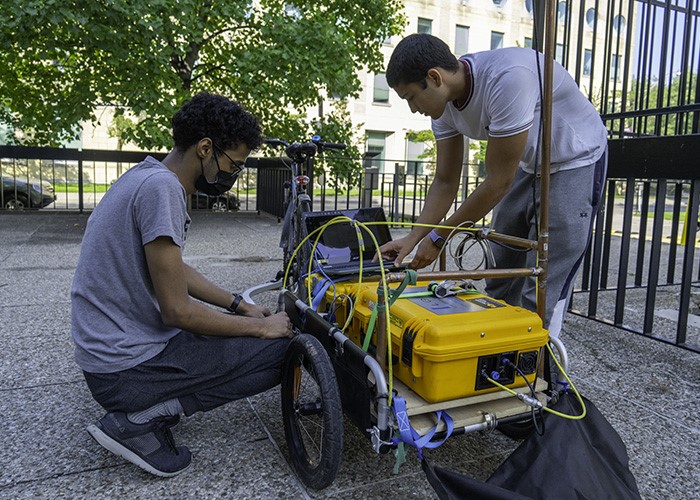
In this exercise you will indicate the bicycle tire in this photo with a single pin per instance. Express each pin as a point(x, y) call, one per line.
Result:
point(312, 412)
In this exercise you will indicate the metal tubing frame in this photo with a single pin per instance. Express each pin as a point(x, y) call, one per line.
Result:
point(546, 107)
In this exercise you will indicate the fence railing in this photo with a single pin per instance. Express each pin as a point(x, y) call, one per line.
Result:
point(641, 271)
point(643, 249)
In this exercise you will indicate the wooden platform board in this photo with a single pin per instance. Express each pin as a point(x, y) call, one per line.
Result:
point(465, 411)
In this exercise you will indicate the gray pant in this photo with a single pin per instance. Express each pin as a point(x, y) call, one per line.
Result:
point(203, 372)
point(573, 203)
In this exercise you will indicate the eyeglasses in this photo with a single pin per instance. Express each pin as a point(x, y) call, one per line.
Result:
point(236, 165)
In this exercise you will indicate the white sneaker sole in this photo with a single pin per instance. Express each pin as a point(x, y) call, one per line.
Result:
point(110, 444)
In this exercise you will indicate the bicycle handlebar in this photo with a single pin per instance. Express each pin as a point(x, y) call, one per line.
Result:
point(275, 142)
point(326, 145)
point(300, 151)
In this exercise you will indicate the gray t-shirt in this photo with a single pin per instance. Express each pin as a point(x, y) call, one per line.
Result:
point(116, 321)
point(505, 100)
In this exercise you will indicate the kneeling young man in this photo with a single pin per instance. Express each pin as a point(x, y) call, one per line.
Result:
point(149, 346)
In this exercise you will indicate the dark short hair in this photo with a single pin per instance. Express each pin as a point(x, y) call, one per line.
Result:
point(224, 121)
point(415, 55)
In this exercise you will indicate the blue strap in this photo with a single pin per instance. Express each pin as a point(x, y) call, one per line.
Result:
point(408, 435)
point(318, 292)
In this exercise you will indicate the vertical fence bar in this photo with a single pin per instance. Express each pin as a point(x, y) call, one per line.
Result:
point(655, 256)
point(81, 205)
point(624, 253)
point(597, 257)
point(609, 212)
point(641, 243)
point(677, 199)
point(691, 229)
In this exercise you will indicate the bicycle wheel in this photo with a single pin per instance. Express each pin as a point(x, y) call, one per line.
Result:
point(312, 414)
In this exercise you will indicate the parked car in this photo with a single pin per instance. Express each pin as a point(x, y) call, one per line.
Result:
point(18, 194)
point(221, 203)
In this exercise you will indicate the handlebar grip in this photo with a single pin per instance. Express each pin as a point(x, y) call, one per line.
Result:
point(305, 149)
point(275, 142)
point(316, 139)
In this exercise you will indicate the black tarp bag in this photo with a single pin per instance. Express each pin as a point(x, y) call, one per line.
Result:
point(574, 459)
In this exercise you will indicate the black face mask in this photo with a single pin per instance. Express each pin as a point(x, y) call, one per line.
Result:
point(223, 182)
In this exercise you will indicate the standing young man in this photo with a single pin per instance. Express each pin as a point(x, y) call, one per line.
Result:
point(149, 346)
point(495, 96)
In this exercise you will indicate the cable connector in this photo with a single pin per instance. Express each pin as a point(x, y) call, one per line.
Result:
point(530, 401)
point(360, 238)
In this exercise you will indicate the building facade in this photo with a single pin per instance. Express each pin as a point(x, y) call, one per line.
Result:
point(478, 25)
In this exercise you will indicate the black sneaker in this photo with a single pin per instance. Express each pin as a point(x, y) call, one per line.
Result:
point(150, 445)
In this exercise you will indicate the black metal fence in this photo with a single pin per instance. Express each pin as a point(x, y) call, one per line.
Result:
point(638, 61)
point(643, 250)
point(641, 272)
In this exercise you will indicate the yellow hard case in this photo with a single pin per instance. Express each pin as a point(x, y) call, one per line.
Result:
point(440, 345)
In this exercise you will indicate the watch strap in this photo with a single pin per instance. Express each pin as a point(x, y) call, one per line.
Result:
point(237, 297)
point(437, 240)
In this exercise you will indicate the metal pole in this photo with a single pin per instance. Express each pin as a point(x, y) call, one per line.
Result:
point(382, 345)
point(475, 274)
point(546, 106)
point(396, 194)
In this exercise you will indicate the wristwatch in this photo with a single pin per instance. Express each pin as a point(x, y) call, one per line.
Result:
point(437, 240)
point(237, 297)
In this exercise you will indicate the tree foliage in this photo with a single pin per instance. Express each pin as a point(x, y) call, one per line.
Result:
point(427, 138)
point(61, 58)
point(340, 168)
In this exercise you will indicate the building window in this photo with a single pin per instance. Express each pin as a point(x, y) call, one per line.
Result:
point(499, 3)
point(381, 89)
point(619, 23)
point(425, 25)
point(461, 39)
point(615, 64)
point(414, 165)
point(496, 40)
point(591, 18)
point(587, 58)
point(528, 6)
point(559, 53)
point(561, 12)
point(527, 43)
point(376, 144)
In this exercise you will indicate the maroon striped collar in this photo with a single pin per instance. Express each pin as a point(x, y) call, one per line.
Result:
point(461, 104)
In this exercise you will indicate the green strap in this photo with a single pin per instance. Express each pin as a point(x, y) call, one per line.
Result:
point(410, 278)
point(400, 455)
point(370, 327)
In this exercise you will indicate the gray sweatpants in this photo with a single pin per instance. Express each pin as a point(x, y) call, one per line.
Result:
point(203, 372)
point(573, 202)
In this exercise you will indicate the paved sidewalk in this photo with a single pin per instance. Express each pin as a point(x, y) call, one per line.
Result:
point(647, 390)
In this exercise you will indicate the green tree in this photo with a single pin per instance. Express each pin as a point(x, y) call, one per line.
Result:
point(427, 138)
point(59, 59)
point(675, 92)
point(341, 168)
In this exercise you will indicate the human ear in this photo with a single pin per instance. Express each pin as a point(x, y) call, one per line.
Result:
point(204, 147)
point(435, 75)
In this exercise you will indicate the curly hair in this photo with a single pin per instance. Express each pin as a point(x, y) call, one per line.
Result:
point(415, 55)
point(224, 121)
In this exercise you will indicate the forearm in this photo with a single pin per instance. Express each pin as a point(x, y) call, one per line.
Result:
point(502, 158)
point(194, 316)
point(477, 205)
point(437, 203)
point(202, 289)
